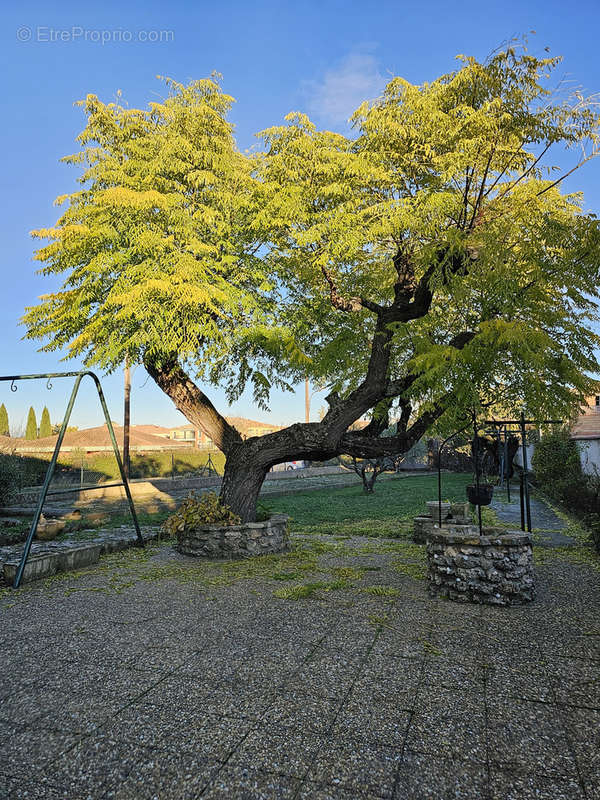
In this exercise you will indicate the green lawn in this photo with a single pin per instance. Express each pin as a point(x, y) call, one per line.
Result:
point(348, 511)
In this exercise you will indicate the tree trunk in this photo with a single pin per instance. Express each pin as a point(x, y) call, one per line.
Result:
point(369, 482)
point(242, 482)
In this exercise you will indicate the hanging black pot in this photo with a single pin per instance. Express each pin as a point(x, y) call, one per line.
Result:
point(480, 495)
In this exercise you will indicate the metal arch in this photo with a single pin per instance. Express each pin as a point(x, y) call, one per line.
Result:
point(519, 426)
point(439, 468)
point(509, 426)
point(52, 465)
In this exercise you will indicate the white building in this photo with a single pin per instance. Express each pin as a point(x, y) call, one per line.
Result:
point(586, 433)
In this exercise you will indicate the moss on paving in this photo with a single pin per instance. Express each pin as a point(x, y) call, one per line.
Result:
point(382, 591)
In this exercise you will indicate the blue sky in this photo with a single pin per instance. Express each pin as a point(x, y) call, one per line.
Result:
point(322, 58)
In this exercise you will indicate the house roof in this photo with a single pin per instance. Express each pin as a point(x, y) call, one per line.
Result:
point(587, 426)
point(154, 430)
point(242, 424)
point(96, 439)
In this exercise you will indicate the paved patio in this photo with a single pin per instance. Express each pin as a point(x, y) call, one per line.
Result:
point(131, 681)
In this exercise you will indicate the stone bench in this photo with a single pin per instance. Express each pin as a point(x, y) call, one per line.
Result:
point(49, 558)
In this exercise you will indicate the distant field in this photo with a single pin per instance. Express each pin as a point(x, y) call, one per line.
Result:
point(348, 511)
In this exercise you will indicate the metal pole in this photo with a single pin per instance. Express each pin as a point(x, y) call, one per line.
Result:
point(439, 468)
point(113, 439)
point(500, 456)
point(172, 467)
point(506, 465)
point(306, 401)
point(46, 485)
point(126, 419)
point(525, 481)
point(521, 502)
point(476, 454)
point(439, 465)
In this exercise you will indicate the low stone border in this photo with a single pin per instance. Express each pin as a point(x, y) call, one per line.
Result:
point(496, 568)
point(48, 558)
point(236, 541)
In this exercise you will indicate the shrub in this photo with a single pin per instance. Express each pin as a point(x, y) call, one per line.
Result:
point(10, 478)
point(4, 426)
point(195, 511)
point(558, 472)
point(592, 523)
point(557, 468)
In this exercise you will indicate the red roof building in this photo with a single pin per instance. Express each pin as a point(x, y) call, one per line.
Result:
point(95, 440)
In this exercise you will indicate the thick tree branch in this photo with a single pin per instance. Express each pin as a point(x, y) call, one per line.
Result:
point(380, 420)
point(192, 402)
point(405, 285)
point(403, 309)
point(348, 304)
point(356, 444)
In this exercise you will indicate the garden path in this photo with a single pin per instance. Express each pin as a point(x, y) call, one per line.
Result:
point(548, 527)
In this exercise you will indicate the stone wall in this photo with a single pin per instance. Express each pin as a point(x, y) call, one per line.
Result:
point(496, 568)
point(236, 541)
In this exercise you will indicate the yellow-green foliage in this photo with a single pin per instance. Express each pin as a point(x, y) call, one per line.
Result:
point(178, 243)
point(195, 511)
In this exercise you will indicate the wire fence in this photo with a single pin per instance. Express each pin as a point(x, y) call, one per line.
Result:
point(92, 469)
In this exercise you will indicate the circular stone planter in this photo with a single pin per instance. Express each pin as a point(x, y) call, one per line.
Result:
point(235, 541)
point(496, 568)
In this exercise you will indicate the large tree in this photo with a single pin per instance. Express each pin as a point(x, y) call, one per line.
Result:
point(429, 260)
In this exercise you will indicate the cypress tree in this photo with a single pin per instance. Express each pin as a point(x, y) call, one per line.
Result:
point(31, 431)
point(45, 424)
point(4, 428)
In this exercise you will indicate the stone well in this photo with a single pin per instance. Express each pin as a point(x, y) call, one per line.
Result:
point(452, 514)
point(496, 568)
point(236, 541)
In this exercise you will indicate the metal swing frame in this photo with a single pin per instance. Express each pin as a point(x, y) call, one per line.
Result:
point(45, 491)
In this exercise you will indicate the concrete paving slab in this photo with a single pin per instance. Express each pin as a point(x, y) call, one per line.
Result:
point(158, 690)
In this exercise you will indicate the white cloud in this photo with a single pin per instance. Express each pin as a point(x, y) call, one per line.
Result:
point(344, 88)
